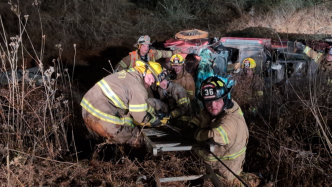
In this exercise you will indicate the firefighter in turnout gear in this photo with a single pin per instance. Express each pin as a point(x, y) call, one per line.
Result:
point(249, 87)
point(143, 53)
point(222, 124)
point(182, 76)
point(116, 106)
point(176, 97)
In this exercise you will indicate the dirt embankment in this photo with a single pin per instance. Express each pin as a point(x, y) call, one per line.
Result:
point(314, 20)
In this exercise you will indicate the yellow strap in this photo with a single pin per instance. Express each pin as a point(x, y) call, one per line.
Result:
point(111, 95)
point(138, 108)
point(105, 117)
point(223, 134)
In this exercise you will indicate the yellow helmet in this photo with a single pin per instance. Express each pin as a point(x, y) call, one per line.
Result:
point(177, 59)
point(153, 68)
point(248, 63)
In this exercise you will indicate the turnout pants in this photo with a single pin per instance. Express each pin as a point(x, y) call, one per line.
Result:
point(116, 134)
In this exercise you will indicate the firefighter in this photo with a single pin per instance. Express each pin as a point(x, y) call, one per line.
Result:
point(222, 124)
point(191, 64)
point(176, 97)
point(182, 76)
point(115, 107)
point(143, 53)
point(249, 88)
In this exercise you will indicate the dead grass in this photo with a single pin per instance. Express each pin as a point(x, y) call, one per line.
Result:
point(290, 135)
point(288, 18)
point(290, 129)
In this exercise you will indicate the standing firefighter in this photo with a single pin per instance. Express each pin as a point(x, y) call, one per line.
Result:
point(249, 88)
point(116, 104)
point(143, 53)
point(222, 124)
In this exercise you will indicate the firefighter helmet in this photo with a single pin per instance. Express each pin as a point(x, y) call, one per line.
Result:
point(248, 63)
point(151, 67)
point(177, 59)
point(143, 40)
point(214, 88)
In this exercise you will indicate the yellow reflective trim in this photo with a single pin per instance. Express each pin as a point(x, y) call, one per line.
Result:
point(195, 121)
point(226, 157)
point(214, 83)
point(240, 112)
point(329, 81)
point(138, 108)
point(174, 113)
point(223, 134)
point(234, 155)
point(159, 54)
point(150, 110)
point(130, 70)
point(190, 92)
point(105, 117)
point(111, 95)
point(198, 136)
point(123, 64)
point(220, 83)
point(260, 93)
point(185, 118)
point(183, 100)
point(306, 50)
point(122, 74)
point(318, 56)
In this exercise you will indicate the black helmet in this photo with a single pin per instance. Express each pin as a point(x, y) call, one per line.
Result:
point(214, 88)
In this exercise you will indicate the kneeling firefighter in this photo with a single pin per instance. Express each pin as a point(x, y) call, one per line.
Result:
point(221, 124)
point(116, 105)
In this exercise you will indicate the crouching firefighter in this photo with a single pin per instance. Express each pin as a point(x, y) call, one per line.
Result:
point(116, 106)
point(222, 125)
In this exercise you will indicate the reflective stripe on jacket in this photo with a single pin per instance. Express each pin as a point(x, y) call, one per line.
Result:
point(118, 98)
point(105, 117)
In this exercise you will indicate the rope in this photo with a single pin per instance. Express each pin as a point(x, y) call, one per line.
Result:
point(238, 177)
